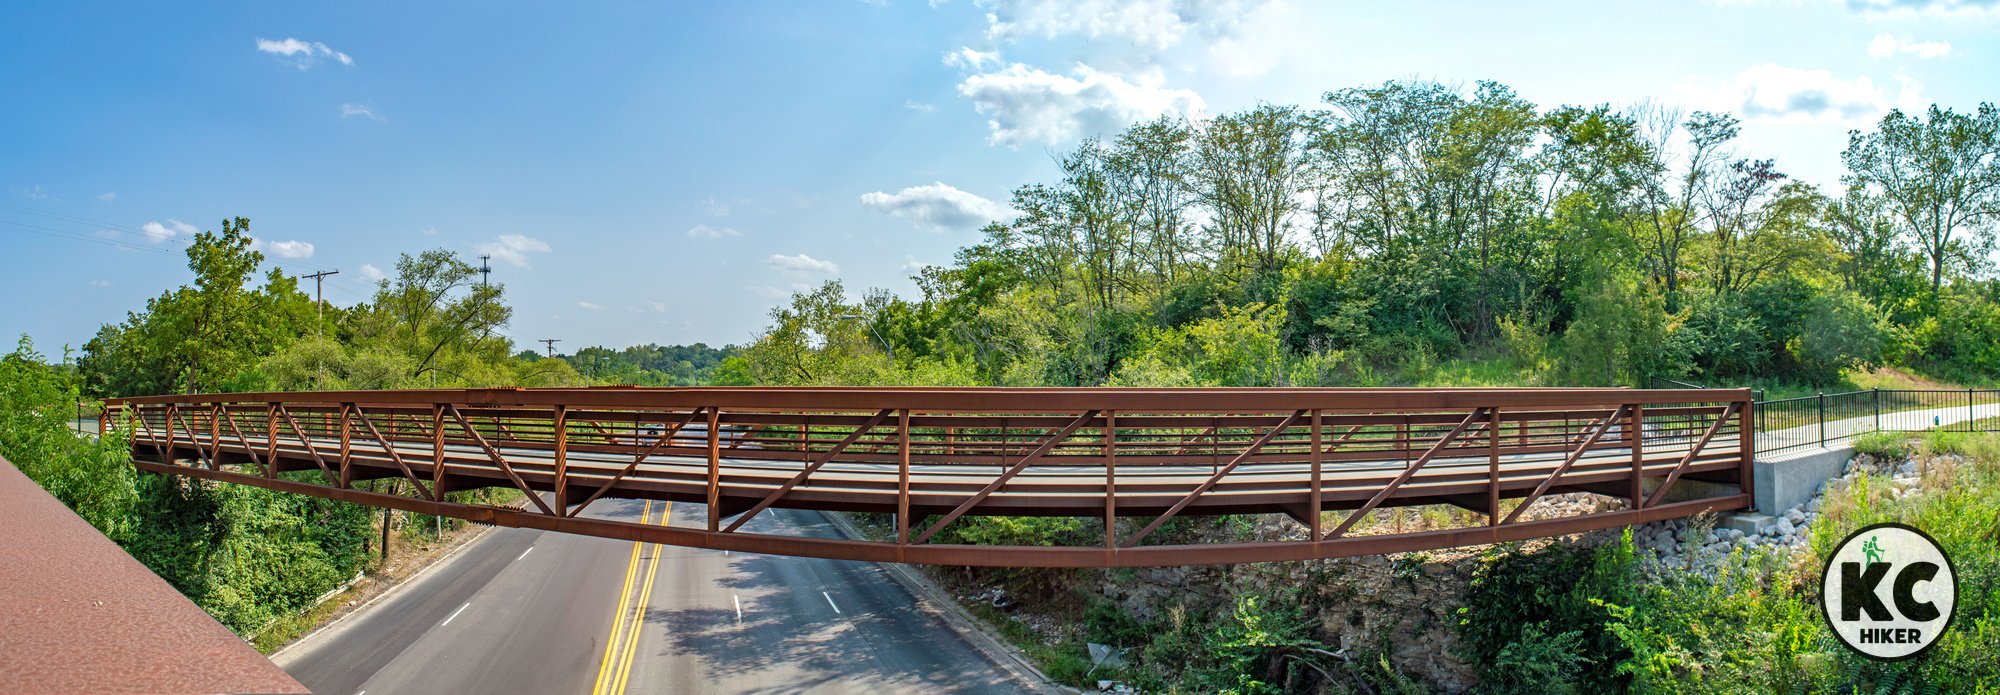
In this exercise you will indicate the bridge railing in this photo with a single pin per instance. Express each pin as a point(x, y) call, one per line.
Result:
point(1130, 460)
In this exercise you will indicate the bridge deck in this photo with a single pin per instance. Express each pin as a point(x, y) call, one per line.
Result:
point(929, 456)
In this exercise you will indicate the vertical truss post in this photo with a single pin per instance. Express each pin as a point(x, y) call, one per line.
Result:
point(714, 468)
point(1403, 438)
point(1638, 487)
point(1110, 478)
point(903, 477)
point(437, 452)
point(1746, 450)
point(562, 460)
point(172, 414)
point(1312, 514)
point(215, 436)
point(1493, 467)
point(271, 440)
point(346, 446)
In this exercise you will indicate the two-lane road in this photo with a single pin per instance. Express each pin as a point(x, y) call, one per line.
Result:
point(525, 611)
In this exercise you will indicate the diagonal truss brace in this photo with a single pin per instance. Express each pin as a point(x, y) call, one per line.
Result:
point(665, 437)
point(1012, 471)
point(1213, 479)
point(821, 460)
point(498, 460)
point(391, 449)
point(1693, 451)
point(1604, 426)
point(310, 448)
point(263, 466)
point(1410, 472)
point(192, 439)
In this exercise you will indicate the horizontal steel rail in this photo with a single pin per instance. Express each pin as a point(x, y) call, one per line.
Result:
point(1131, 459)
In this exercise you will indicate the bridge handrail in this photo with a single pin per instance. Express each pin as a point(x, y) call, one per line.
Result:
point(942, 453)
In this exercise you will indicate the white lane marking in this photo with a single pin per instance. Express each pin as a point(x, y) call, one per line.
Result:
point(454, 614)
point(739, 607)
point(829, 601)
point(524, 553)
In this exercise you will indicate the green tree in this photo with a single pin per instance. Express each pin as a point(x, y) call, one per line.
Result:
point(1938, 176)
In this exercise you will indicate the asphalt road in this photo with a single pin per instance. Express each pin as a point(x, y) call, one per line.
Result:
point(524, 611)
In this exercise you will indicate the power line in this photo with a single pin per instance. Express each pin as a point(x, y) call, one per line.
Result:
point(319, 316)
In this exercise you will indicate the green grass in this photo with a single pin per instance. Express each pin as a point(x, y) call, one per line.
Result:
point(295, 625)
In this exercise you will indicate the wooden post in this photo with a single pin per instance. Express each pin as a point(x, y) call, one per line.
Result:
point(903, 477)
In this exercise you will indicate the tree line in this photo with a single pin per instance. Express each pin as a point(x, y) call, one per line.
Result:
point(1394, 231)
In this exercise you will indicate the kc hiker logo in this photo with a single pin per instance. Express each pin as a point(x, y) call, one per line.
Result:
point(1888, 591)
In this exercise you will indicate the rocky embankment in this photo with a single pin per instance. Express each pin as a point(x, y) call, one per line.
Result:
point(1408, 603)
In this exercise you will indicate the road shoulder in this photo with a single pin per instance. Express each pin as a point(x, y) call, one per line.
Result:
point(975, 632)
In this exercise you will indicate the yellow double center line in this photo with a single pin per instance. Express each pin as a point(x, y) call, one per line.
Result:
point(624, 644)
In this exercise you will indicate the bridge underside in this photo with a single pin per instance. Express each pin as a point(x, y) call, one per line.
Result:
point(928, 457)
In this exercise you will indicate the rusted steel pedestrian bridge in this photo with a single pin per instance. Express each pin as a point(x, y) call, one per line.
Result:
point(1135, 458)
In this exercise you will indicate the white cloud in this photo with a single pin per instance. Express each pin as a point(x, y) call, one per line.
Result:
point(702, 231)
point(590, 306)
point(1027, 104)
point(368, 270)
point(100, 283)
point(1904, 9)
point(108, 196)
point(913, 266)
point(801, 264)
point(918, 106)
point(1887, 45)
point(657, 307)
point(295, 250)
point(430, 231)
point(302, 54)
point(938, 206)
point(160, 233)
point(715, 208)
point(35, 193)
point(1151, 24)
point(361, 110)
point(513, 249)
point(1793, 94)
point(971, 59)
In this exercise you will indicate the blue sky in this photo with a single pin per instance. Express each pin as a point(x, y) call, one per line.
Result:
point(653, 172)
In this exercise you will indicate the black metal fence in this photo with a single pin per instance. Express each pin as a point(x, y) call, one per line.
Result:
point(1816, 420)
point(1789, 423)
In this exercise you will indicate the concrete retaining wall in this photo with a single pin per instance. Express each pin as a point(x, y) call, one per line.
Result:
point(1790, 478)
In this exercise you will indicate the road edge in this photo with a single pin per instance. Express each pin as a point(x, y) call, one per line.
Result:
point(448, 557)
point(961, 621)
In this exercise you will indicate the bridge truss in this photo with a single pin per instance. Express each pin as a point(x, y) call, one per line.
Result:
point(1134, 458)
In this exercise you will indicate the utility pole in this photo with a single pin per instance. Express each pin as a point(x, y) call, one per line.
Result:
point(483, 268)
point(551, 342)
point(319, 318)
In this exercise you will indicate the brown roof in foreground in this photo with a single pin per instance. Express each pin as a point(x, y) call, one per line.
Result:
point(78, 615)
